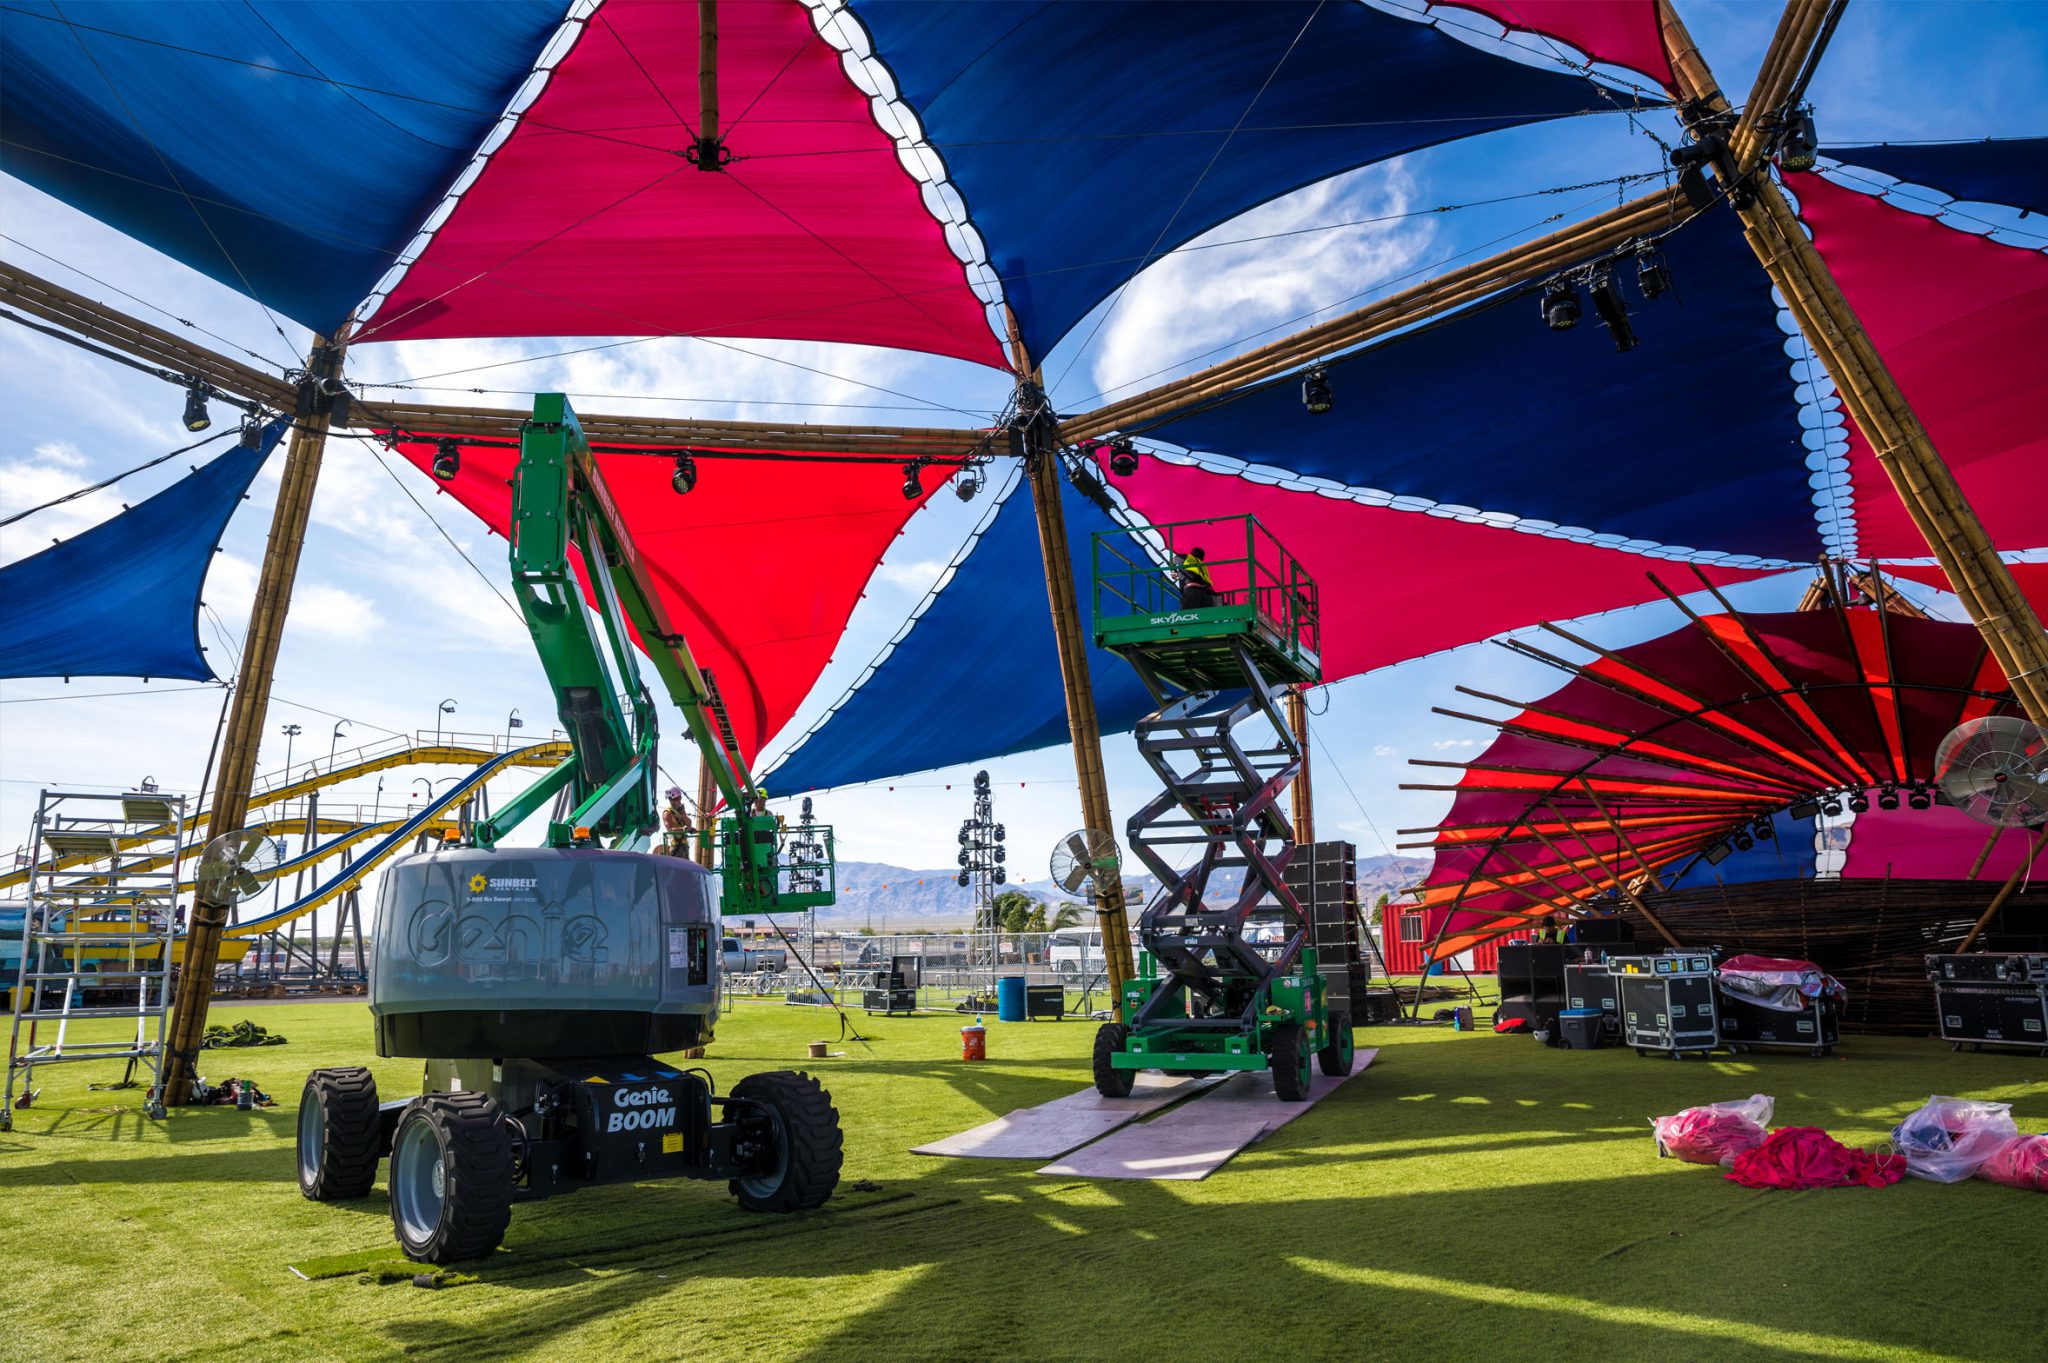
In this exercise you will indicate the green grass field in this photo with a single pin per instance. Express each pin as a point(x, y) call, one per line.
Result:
point(1469, 1197)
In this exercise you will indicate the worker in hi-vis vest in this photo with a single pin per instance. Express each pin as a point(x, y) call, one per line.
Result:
point(1196, 590)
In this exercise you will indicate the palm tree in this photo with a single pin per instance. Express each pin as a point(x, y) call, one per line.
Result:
point(1065, 916)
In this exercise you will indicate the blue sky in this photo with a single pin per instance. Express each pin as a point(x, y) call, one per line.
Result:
point(389, 620)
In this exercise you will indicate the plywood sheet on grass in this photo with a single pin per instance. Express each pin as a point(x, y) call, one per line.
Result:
point(1052, 1129)
point(1196, 1139)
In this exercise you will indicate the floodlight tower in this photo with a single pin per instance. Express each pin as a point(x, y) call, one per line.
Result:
point(981, 865)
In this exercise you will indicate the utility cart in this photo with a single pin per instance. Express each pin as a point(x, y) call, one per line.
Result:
point(1228, 978)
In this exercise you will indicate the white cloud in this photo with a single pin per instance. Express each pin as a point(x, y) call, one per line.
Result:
point(334, 612)
point(1443, 743)
point(916, 577)
point(1385, 750)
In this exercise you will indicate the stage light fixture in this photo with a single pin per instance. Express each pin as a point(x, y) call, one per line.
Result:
point(1859, 803)
point(1123, 459)
point(913, 482)
point(685, 477)
point(447, 459)
point(252, 433)
point(1888, 798)
point(960, 879)
point(197, 418)
point(969, 484)
point(1718, 853)
point(1763, 828)
point(1832, 807)
point(1613, 312)
point(1920, 797)
point(981, 780)
point(1800, 147)
point(1743, 841)
point(1653, 276)
point(1691, 161)
point(999, 833)
point(1560, 305)
point(1805, 809)
point(1315, 391)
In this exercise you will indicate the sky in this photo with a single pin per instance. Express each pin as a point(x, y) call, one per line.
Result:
point(396, 609)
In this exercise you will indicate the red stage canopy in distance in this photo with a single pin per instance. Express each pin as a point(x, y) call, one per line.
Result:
point(760, 566)
point(588, 221)
point(1621, 32)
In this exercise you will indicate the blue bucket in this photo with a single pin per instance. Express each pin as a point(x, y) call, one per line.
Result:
point(1010, 999)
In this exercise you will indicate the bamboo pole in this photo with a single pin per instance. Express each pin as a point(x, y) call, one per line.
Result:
point(245, 726)
point(2005, 890)
point(1797, 38)
point(707, 83)
point(1042, 467)
point(707, 805)
point(1924, 484)
point(1651, 213)
point(152, 345)
point(1301, 797)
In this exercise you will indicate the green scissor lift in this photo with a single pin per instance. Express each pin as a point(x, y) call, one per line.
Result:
point(1229, 982)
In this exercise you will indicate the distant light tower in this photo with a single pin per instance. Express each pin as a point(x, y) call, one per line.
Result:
point(982, 855)
point(446, 707)
point(512, 721)
point(291, 731)
point(332, 740)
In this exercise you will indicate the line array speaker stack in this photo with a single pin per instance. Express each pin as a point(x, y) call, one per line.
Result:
point(1324, 879)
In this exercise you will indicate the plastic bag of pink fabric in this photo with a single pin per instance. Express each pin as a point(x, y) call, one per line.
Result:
point(2021, 1162)
point(1716, 1133)
point(1808, 1157)
point(1948, 1139)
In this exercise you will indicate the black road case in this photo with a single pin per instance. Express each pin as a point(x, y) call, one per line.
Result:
point(1667, 1003)
point(1748, 1025)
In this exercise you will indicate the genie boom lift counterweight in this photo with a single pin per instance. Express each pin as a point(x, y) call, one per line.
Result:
point(538, 984)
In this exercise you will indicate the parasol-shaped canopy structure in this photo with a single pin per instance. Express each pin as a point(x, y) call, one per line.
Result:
point(1697, 744)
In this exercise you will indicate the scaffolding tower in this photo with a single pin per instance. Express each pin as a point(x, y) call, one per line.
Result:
point(982, 855)
point(96, 944)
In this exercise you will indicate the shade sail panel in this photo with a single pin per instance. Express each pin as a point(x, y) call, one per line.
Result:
point(289, 151)
point(2031, 578)
point(977, 674)
point(590, 222)
point(1653, 754)
point(760, 566)
point(1623, 32)
point(1937, 844)
point(122, 599)
point(1491, 409)
point(1399, 584)
point(1159, 120)
point(2010, 170)
point(1959, 321)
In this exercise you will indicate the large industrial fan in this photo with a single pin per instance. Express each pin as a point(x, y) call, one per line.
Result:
point(1995, 770)
point(232, 865)
point(1085, 857)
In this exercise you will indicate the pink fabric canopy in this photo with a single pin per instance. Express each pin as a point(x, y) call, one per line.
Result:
point(1623, 32)
point(589, 222)
point(1400, 584)
point(1961, 331)
point(764, 624)
point(2032, 579)
point(1934, 844)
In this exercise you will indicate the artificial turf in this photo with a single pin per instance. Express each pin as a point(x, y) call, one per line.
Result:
point(1469, 1197)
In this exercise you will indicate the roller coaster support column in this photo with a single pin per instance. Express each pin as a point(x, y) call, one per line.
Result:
point(230, 806)
point(1923, 482)
point(1042, 465)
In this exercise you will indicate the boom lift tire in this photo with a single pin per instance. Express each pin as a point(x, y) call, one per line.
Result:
point(338, 1134)
point(1290, 1061)
point(452, 1167)
point(1110, 1081)
point(808, 1146)
point(1335, 1056)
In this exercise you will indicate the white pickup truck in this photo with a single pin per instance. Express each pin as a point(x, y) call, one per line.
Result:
point(743, 960)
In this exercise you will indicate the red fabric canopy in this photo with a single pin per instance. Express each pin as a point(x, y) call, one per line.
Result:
point(1959, 320)
point(759, 566)
point(1399, 584)
point(588, 222)
point(1623, 32)
point(1665, 748)
point(2032, 579)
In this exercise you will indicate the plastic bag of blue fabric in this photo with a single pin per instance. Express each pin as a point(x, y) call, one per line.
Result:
point(1949, 1139)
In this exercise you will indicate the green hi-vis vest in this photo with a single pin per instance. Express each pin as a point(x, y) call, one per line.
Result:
point(1195, 570)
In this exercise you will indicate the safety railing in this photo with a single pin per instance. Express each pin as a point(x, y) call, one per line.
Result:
point(1139, 572)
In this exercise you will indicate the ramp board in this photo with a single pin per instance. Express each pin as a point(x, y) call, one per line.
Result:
point(1194, 1140)
point(1052, 1129)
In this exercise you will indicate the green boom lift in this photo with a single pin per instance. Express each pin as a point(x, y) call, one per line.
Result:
point(540, 984)
point(1227, 980)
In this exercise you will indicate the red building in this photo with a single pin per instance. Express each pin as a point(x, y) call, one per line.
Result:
point(1406, 930)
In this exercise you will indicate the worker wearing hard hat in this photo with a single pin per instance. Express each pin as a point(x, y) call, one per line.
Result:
point(675, 825)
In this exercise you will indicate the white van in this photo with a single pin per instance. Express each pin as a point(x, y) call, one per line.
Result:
point(1075, 953)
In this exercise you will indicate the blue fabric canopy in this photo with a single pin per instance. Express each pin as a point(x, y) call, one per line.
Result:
point(1788, 854)
point(2012, 171)
point(1162, 119)
point(1691, 439)
point(977, 674)
point(122, 599)
point(287, 150)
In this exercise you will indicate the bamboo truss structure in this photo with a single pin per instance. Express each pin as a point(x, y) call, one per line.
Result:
point(1577, 808)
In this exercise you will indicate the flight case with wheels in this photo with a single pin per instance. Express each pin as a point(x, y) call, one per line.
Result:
point(1748, 1025)
point(1667, 1003)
